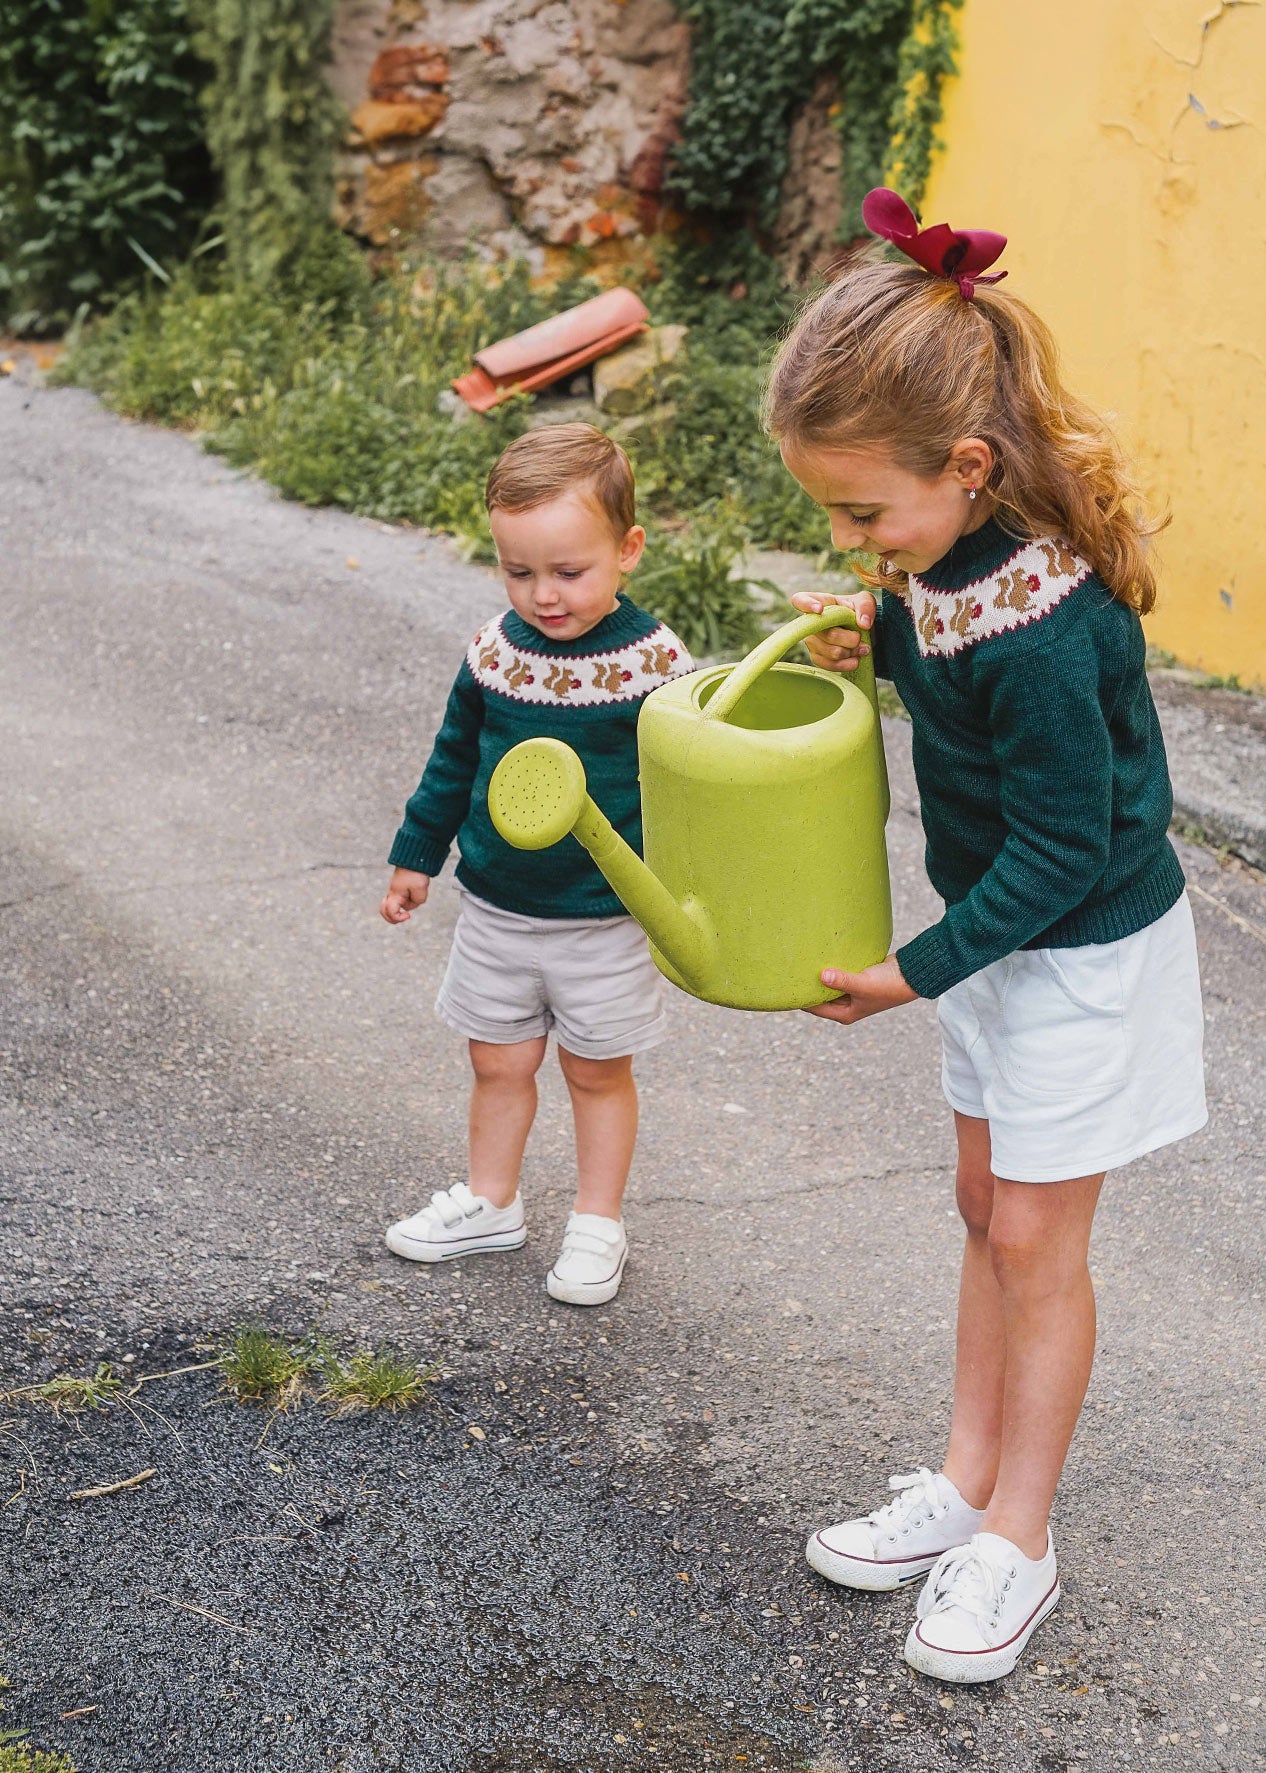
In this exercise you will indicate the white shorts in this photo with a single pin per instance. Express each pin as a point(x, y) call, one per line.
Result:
point(513, 978)
point(1080, 1059)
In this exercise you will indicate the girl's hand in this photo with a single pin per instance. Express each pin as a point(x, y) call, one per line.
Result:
point(880, 987)
point(406, 891)
point(837, 649)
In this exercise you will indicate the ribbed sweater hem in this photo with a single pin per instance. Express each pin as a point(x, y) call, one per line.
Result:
point(500, 892)
point(930, 966)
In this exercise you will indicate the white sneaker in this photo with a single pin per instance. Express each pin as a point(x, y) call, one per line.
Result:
point(899, 1542)
point(979, 1608)
point(591, 1262)
point(458, 1223)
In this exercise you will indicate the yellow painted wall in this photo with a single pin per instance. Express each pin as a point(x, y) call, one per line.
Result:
point(1121, 144)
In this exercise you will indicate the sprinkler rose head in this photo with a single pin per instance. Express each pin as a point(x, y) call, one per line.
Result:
point(537, 793)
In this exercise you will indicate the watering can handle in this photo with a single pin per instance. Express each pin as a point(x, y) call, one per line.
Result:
point(721, 705)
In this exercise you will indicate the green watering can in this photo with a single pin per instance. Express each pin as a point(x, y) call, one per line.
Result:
point(764, 797)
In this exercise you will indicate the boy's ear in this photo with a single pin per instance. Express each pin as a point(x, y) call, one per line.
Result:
point(631, 548)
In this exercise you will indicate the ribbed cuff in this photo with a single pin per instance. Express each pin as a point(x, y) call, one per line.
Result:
point(421, 854)
point(931, 964)
point(927, 965)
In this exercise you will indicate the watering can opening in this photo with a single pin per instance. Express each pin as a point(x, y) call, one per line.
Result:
point(786, 696)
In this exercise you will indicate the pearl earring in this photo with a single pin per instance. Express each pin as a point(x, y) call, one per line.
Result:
point(971, 492)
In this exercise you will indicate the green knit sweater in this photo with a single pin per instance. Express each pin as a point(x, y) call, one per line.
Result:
point(515, 683)
point(1039, 758)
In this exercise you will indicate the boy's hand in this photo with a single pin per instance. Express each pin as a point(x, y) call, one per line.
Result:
point(837, 649)
point(880, 987)
point(406, 891)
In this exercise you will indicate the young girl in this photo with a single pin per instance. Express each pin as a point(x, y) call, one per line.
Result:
point(927, 416)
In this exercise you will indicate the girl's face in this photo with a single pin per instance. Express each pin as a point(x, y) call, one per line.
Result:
point(562, 564)
point(877, 505)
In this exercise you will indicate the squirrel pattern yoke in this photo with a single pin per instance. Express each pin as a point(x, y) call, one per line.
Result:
point(1044, 788)
point(516, 683)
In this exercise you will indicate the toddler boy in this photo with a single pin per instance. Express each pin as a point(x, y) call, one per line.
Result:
point(541, 940)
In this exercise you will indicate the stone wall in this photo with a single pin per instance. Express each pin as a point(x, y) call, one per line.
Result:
point(525, 125)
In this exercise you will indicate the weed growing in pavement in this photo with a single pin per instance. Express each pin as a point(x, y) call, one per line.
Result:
point(71, 1392)
point(30, 1760)
point(378, 1381)
point(261, 1368)
point(330, 387)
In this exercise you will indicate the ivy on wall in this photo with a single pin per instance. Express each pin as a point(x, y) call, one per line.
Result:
point(102, 160)
point(926, 61)
point(271, 125)
point(755, 61)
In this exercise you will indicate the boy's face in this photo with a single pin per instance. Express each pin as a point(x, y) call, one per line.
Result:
point(562, 563)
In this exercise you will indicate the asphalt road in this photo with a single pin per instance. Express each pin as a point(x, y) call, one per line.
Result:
point(220, 1077)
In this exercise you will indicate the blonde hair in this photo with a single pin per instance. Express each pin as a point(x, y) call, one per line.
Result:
point(889, 356)
point(543, 464)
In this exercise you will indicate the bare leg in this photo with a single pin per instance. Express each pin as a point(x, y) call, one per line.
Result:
point(604, 1103)
point(502, 1109)
point(975, 1439)
point(1039, 1234)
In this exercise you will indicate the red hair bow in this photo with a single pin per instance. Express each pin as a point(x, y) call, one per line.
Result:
point(957, 254)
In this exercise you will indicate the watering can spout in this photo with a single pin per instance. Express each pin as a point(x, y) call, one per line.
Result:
point(538, 794)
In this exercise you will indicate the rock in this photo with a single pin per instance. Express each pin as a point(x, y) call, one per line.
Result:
point(644, 427)
point(631, 378)
point(377, 121)
point(451, 405)
point(562, 409)
point(393, 200)
point(559, 118)
point(400, 71)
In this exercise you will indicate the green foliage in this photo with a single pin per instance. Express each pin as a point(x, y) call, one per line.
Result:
point(259, 1367)
point(271, 125)
point(72, 1392)
point(330, 385)
point(927, 59)
point(692, 580)
point(754, 62)
point(378, 1381)
point(102, 162)
point(31, 1760)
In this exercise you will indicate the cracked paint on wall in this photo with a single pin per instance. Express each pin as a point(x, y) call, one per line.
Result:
point(1121, 145)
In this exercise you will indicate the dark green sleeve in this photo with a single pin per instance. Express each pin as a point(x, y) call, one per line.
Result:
point(1053, 749)
point(875, 639)
point(439, 804)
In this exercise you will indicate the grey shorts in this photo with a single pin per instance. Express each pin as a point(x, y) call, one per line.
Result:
point(513, 978)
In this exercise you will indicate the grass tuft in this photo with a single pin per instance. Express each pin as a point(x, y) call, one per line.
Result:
point(378, 1381)
point(261, 1368)
point(73, 1392)
point(32, 1760)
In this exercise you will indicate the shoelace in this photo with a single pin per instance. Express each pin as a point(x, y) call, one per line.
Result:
point(966, 1578)
point(917, 1490)
point(452, 1205)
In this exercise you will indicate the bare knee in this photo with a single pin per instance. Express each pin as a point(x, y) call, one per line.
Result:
point(973, 1188)
point(517, 1063)
point(1028, 1264)
point(1039, 1235)
point(973, 1192)
point(595, 1077)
